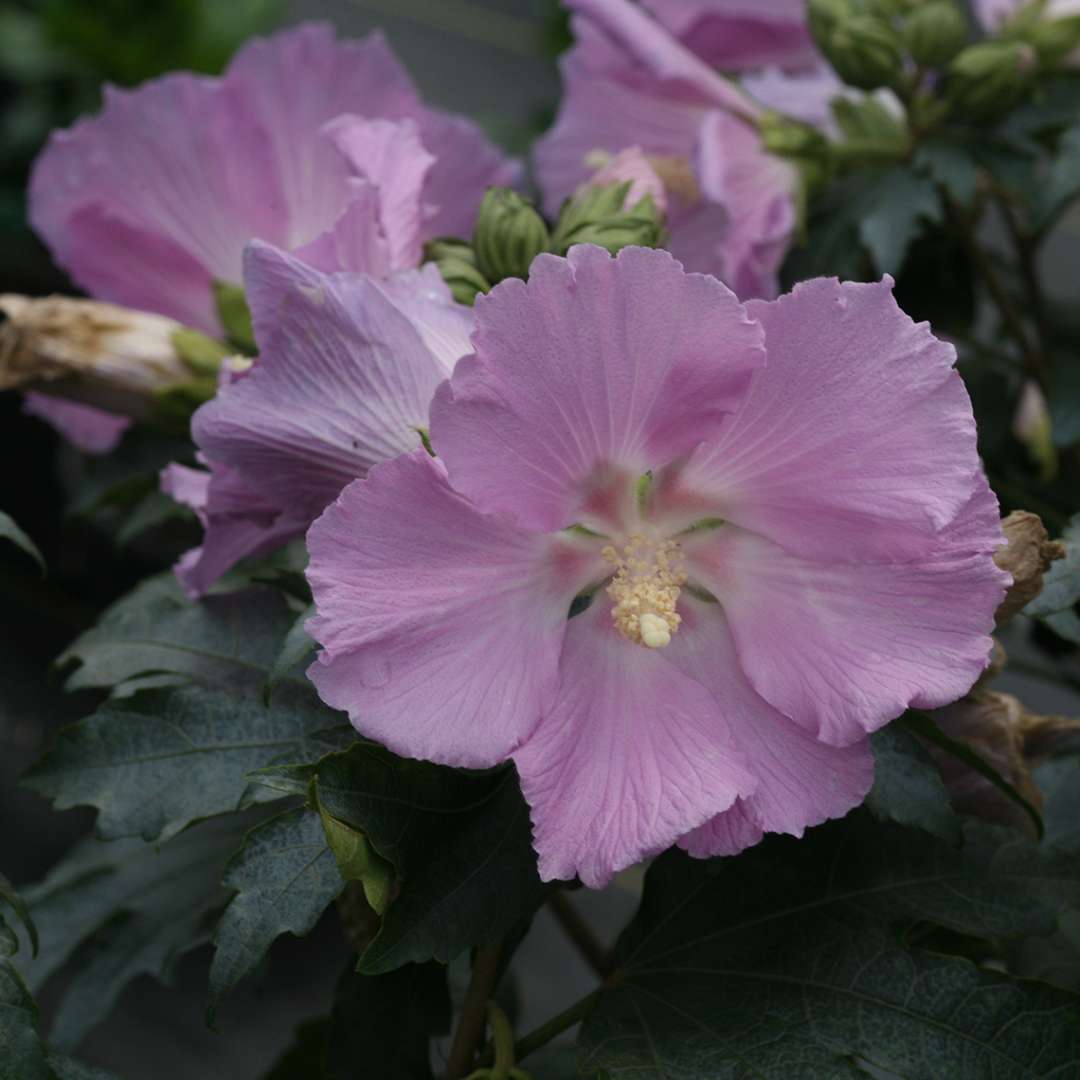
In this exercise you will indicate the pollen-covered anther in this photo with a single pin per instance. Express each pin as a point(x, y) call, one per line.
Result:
point(645, 589)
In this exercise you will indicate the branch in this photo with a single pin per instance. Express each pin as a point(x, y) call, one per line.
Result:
point(470, 1028)
point(556, 1026)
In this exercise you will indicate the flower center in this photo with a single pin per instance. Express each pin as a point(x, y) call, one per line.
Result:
point(645, 589)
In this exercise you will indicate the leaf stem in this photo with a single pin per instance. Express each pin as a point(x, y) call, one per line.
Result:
point(556, 1026)
point(469, 1032)
point(581, 934)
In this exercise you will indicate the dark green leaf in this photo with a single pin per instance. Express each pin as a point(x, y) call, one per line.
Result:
point(1063, 183)
point(229, 640)
point(1056, 604)
point(459, 841)
point(382, 1025)
point(295, 650)
point(130, 473)
point(908, 788)
point(235, 318)
point(153, 510)
point(923, 725)
point(68, 1069)
point(950, 164)
point(133, 908)
point(787, 962)
point(892, 209)
point(284, 876)
point(9, 896)
point(155, 762)
point(1054, 105)
point(10, 531)
point(22, 1056)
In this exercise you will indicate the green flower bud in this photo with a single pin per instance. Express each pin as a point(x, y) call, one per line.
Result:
point(509, 234)
point(598, 216)
point(235, 318)
point(935, 33)
point(988, 78)
point(825, 15)
point(866, 52)
point(1054, 39)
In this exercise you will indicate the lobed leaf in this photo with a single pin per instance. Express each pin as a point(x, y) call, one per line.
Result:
point(908, 788)
point(285, 876)
point(128, 908)
point(229, 640)
point(155, 762)
point(460, 843)
point(788, 962)
point(9, 530)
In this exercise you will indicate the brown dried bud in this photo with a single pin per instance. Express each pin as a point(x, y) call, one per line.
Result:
point(101, 354)
point(995, 726)
point(1027, 554)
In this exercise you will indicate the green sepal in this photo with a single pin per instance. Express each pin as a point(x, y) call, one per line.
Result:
point(509, 234)
point(988, 78)
point(865, 51)
point(356, 859)
point(173, 405)
point(598, 217)
point(200, 353)
point(935, 32)
point(456, 261)
point(235, 316)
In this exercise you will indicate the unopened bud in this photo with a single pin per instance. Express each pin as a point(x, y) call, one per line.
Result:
point(935, 33)
point(104, 355)
point(824, 16)
point(987, 78)
point(1027, 554)
point(865, 52)
point(598, 216)
point(1055, 40)
point(456, 261)
point(509, 234)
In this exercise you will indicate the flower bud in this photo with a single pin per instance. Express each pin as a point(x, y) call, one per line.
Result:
point(935, 33)
point(1054, 40)
point(1027, 554)
point(598, 215)
point(987, 78)
point(509, 234)
point(104, 355)
point(865, 52)
point(456, 261)
point(825, 15)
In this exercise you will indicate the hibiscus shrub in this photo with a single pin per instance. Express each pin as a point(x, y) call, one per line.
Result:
point(676, 518)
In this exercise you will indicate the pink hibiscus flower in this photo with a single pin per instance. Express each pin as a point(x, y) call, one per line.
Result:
point(149, 202)
point(347, 368)
point(773, 516)
point(735, 35)
point(629, 84)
